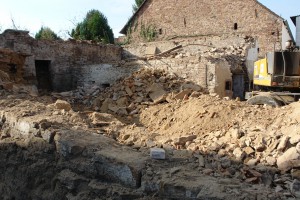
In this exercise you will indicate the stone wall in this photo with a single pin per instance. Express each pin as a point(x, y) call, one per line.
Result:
point(195, 45)
point(65, 58)
point(100, 74)
point(208, 73)
point(186, 19)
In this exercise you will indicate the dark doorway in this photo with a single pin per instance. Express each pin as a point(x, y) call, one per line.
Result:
point(238, 86)
point(43, 76)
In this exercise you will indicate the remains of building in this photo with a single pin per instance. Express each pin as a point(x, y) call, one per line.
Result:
point(153, 119)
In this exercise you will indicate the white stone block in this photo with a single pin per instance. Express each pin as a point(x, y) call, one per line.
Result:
point(157, 153)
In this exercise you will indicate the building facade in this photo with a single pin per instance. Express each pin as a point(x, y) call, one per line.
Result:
point(169, 19)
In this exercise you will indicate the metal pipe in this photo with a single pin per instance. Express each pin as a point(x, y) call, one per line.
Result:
point(284, 67)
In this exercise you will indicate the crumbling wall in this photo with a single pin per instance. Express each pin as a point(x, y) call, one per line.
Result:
point(11, 67)
point(65, 57)
point(186, 19)
point(223, 75)
point(196, 45)
point(208, 73)
point(209, 62)
point(185, 66)
point(100, 74)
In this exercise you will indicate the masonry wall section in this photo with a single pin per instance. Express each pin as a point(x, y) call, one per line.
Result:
point(173, 19)
point(68, 59)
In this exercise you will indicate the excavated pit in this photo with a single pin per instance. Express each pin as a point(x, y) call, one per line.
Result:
point(46, 159)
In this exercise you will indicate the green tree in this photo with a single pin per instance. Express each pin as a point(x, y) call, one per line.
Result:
point(45, 33)
point(137, 4)
point(93, 27)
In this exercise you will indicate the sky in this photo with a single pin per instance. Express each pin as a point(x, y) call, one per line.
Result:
point(62, 15)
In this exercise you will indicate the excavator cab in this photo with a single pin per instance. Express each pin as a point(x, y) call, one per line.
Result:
point(276, 79)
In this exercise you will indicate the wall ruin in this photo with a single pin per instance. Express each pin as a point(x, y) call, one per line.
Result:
point(68, 61)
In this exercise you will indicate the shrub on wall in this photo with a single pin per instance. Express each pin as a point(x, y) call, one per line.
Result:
point(148, 32)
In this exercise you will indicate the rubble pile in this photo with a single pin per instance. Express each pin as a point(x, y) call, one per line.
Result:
point(256, 144)
point(192, 134)
point(234, 55)
point(128, 96)
point(175, 136)
point(144, 87)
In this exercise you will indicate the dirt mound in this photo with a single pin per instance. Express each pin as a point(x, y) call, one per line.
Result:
point(230, 138)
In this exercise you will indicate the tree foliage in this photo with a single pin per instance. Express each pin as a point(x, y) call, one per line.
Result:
point(94, 27)
point(137, 4)
point(45, 33)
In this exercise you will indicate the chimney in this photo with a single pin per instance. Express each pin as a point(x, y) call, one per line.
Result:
point(296, 21)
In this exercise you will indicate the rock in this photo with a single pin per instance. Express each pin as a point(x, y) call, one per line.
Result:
point(122, 111)
point(157, 153)
point(235, 133)
point(295, 139)
point(174, 170)
point(298, 147)
point(287, 161)
point(139, 99)
point(260, 147)
point(105, 104)
point(150, 143)
point(295, 173)
point(239, 154)
point(113, 108)
point(156, 92)
point(182, 95)
point(122, 102)
point(271, 160)
point(201, 161)
point(278, 189)
point(295, 188)
point(252, 162)
point(61, 104)
point(214, 146)
point(183, 140)
point(192, 146)
point(249, 150)
point(283, 143)
point(128, 91)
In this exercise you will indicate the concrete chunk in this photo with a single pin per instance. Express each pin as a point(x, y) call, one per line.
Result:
point(157, 153)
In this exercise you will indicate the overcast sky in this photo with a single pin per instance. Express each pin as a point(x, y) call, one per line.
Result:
point(60, 15)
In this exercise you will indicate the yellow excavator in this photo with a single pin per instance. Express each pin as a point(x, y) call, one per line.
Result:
point(276, 79)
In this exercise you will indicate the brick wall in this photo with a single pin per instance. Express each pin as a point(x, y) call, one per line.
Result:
point(187, 18)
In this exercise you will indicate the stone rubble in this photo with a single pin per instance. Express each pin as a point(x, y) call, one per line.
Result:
point(183, 138)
